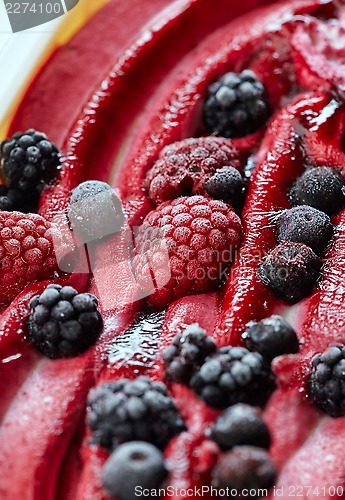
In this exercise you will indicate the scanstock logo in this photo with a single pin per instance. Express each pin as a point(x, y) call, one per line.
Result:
point(28, 14)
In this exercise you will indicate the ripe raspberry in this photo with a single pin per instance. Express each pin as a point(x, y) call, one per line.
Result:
point(186, 245)
point(26, 252)
point(291, 270)
point(184, 167)
point(236, 105)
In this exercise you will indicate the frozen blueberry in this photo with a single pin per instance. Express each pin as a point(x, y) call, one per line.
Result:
point(245, 468)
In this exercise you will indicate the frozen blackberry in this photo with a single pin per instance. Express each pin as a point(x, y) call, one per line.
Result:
point(320, 187)
point(291, 270)
point(233, 375)
point(62, 322)
point(236, 105)
point(244, 469)
point(134, 465)
point(326, 383)
point(239, 425)
point(95, 211)
point(226, 184)
point(139, 410)
point(304, 224)
point(271, 337)
point(187, 353)
point(28, 161)
point(193, 238)
point(12, 200)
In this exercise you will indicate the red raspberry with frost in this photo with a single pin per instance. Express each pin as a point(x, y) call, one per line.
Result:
point(184, 167)
point(26, 252)
point(184, 247)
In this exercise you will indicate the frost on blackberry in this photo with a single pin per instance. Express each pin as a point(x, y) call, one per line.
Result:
point(29, 161)
point(139, 410)
point(187, 353)
point(326, 383)
point(233, 375)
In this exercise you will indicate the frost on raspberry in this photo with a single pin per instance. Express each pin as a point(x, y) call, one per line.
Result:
point(185, 247)
point(184, 167)
point(26, 252)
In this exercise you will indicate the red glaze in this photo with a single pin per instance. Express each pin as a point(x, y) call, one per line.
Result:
point(118, 136)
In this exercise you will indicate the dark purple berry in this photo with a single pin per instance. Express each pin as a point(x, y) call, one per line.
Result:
point(134, 465)
point(187, 353)
point(127, 410)
point(326, 383)
point(233, 375)
point(236, 105)
point(244, 469)
point(239, 425)
point(226, 184)
point(63, 323)
point(12, 200)
point(28, 162)
point(95, 211)
point(291, 270)
point(320, 187)
point(304, 224)
point(271, 337)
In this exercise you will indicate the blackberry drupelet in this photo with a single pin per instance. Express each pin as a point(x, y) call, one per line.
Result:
point(236, 105)
point(233, 375)
point(139, 410)
point(326, 383)
point(271, 337)
point(245, 468)
point(227, 185)
point(320, 187)
point(291, 270)
point(241, 425)
point(131, 465)
point(29, 161)
point(62, 322)
point(304, 224)
point(187, 353)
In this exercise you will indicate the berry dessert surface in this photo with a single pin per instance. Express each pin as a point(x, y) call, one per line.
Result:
point(172, 263)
